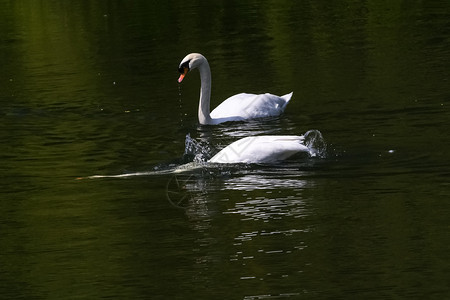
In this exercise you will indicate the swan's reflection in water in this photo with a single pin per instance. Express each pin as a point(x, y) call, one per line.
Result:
point(252, 196)
point(252, 182)
point(251, 224)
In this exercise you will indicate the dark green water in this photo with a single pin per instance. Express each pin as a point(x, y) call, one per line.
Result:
point(90, 88)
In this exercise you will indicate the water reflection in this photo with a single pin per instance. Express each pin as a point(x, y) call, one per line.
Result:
point(252, 182)
point(251, 224)
point(263, 192)
point(205, 178)
point(271, 206)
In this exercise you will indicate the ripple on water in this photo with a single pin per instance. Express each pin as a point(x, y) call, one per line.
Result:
point(266, 208)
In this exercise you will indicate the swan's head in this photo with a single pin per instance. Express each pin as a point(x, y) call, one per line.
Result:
point(190, 62)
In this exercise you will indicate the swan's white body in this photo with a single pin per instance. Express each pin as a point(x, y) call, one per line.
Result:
point(261, 149)
point(236, 108)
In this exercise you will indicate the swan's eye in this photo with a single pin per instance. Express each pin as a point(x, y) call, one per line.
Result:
point(184, 66)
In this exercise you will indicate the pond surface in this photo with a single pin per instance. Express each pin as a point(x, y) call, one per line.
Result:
point(91, 89)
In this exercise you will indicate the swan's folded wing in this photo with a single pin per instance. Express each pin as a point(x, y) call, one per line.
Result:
point(249, 106)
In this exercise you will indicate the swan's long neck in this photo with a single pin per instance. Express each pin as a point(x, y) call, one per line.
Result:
point(204, 116)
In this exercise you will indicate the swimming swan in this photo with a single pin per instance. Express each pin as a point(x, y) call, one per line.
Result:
point(236, 108)
point(261, 149)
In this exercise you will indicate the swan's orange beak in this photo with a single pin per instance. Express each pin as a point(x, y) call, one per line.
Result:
point(180, 79)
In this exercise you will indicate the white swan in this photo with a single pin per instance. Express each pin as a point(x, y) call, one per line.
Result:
point(236, 108)
point(261, 149)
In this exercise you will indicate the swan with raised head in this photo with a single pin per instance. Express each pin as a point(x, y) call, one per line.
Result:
point(239, 107)
point(261, 149)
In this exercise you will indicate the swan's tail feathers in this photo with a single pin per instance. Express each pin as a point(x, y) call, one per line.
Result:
point(287, 97)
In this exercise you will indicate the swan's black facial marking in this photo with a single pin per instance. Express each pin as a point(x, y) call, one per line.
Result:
point(184, 66)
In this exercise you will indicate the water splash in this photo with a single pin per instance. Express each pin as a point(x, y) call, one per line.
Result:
point(196, 151)
point(316, 143)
